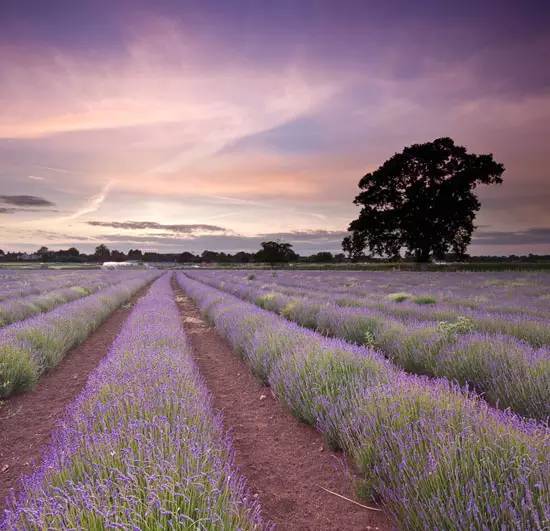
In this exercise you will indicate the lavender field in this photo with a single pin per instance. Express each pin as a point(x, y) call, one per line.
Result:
point(141, 446)
point(435, 386)
point(468, 328)
point(438, 455)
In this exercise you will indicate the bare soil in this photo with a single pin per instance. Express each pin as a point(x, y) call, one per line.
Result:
point(284, 461)
point(27, 420)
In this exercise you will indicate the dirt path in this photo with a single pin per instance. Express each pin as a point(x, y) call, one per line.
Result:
point(285, 461)
point(27, 420)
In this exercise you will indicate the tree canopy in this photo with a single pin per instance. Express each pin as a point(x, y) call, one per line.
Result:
point(274, 252)
point(102, 252)
point(421, 200)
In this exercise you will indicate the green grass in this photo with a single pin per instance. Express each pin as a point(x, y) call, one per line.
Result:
point(424, 299)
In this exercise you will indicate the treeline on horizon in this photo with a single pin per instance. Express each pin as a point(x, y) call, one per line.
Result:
point(271, 252)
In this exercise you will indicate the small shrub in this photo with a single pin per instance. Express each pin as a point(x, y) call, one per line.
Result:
point(462, 325)
point(268, 301)
point(399, 296)
point(424, 299)
point(81, 291)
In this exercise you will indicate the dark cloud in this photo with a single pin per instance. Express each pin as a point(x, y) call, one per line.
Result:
point(25, 200)
point(501, 41)
point(536, 235)
point(12, 210)
point(137, 225)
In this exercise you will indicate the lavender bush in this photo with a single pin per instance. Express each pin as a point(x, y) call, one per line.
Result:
point(29, 347)
point(141, 447)
point(434, 455)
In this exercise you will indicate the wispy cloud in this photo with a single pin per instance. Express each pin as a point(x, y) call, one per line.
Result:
point(140, 225)
point(237, 201)
point(93, 202)
point(36, 178)
point(56, 170)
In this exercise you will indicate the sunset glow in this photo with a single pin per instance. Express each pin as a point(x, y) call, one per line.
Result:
point(241, 121)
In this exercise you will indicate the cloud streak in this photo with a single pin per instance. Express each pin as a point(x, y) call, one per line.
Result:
point(140, 225)
point(93, 203)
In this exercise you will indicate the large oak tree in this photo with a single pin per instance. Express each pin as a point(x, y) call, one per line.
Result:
point(422, 200)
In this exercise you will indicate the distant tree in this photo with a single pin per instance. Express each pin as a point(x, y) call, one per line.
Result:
point(187, 257)
point(102, 252)
point(354, 245)
point(151, 257)
point(117, 256)
point(276, 252)
point(422, 200)
point(242, 258)
point(322, 257)
point(2, 253)
point(210, 256)
point(135, 254)
point(224, 257)
point(42, 251)
point(63, 255)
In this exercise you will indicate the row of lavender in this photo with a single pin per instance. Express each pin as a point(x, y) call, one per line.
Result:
point(29, 347)
point(508, 372)
point(436, 457)
point(16, 283)
point(18, 308)
point(504, 292)
point(140, 448)
point(403, 305)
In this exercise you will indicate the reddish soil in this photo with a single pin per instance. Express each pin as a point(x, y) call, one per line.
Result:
point(27, 420)
point(284, 461)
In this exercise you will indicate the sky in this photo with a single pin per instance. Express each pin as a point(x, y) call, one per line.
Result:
point(188, 125)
